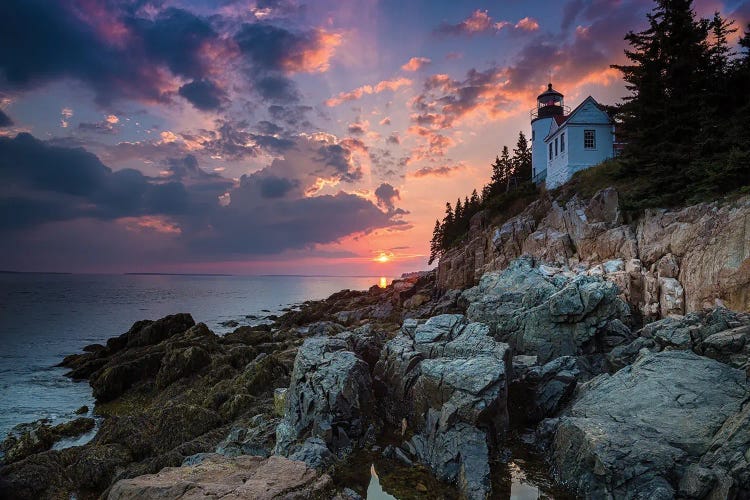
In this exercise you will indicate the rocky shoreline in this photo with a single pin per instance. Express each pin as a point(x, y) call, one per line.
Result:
point(445, 390)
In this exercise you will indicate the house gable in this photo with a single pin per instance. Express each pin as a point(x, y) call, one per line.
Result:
point(587, 113)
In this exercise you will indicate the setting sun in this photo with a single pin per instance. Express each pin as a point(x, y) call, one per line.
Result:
point(383, 258)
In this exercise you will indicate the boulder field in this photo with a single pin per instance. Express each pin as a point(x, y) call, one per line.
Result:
point(439, 383)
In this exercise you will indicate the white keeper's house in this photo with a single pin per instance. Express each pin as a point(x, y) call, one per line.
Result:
point(564, 142)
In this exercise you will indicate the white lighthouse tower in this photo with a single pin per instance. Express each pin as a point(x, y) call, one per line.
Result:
point(549, 105)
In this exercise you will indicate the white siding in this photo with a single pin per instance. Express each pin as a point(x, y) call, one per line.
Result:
point(576, 157)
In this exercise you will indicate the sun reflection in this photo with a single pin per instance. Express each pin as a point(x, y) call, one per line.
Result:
point(383, 282)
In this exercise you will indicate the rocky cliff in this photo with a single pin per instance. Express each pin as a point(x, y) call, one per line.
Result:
point(664, 261)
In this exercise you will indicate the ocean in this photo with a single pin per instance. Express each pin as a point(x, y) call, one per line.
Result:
point(44, 317)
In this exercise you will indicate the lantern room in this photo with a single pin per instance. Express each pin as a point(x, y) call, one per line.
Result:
point(549, 103)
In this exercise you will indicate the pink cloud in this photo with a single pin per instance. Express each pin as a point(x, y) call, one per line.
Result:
point(359, 92)
point(441, 171)
point(416, 63)
point(315, 57)
point(527, 24)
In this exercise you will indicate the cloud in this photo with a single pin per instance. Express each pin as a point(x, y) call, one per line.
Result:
point(275, 48)
point(527, 24)
point(5, 120)
point(199, 215)
point(481, 22)
point(106, 126)
point(359, 127)
point(416, 63)
point(385, 121)
point(390, 85)
point(478, 22)
point(111, 50)
point(203, 94)
point(387, 196)
point(274, 53)
point(66, 114)
point(441, 171)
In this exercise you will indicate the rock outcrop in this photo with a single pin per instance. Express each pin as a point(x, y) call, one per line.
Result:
point(544, 312)
point(671, 424)
point(217, 476)
point(674, 261)
point(718, 334)
point(329, 404)
point(448, 379)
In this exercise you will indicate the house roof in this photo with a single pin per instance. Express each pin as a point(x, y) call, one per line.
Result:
point(561, 120)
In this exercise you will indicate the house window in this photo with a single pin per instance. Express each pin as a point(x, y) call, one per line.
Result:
point(589, 139)
point(562, 142)
point(550, 150)
point(556, 146)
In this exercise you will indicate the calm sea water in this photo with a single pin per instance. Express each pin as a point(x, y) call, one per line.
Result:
point(44, 317)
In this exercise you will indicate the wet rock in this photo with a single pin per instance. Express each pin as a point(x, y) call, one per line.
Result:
point(257, 438)
point(223, 477)
point(636, 433)
point(449, 380)
point(82, 410)
point(330, 398)
point(541, 391)
point(27, 439)
point(181, 362)
point(719, 334)
point(549, 314)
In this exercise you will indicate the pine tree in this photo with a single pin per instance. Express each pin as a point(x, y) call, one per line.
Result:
point(667, 76)
point(474, 201)
point(522, 159)
point(436, 242)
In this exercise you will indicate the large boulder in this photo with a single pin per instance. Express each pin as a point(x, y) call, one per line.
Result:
point(719, 334)
point(217, 476)
point(669, 424)
point(448, 379)
point(548, 313)
point(329, 403)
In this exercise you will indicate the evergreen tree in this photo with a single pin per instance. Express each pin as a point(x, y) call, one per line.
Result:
point(667, 75)
point(474, 202)
point(522, 159)
point(436, 242)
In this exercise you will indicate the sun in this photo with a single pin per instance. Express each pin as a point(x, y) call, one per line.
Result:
point(382, 258)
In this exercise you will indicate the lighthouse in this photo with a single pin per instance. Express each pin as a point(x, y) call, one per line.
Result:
point(549, 104)
point(564, 142)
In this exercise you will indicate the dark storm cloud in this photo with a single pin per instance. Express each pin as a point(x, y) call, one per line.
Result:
point(294, 116)
point(270, 211)
point(119, 53)
point(275, 52)
point(387, 196)
point(276, 187)
point(249, 227)
point(37, 176)
point(42, 41)
point(203, 94)
point(5, 120)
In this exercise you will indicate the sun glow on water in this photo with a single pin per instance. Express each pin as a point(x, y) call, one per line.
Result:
point(383, 282)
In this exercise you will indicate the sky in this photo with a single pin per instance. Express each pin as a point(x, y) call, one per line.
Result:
point(274, 136)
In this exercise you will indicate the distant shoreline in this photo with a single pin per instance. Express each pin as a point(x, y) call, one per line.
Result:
point(207, 274)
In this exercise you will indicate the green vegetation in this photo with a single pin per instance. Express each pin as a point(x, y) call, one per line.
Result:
point(509, 191)
point(684, 125)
